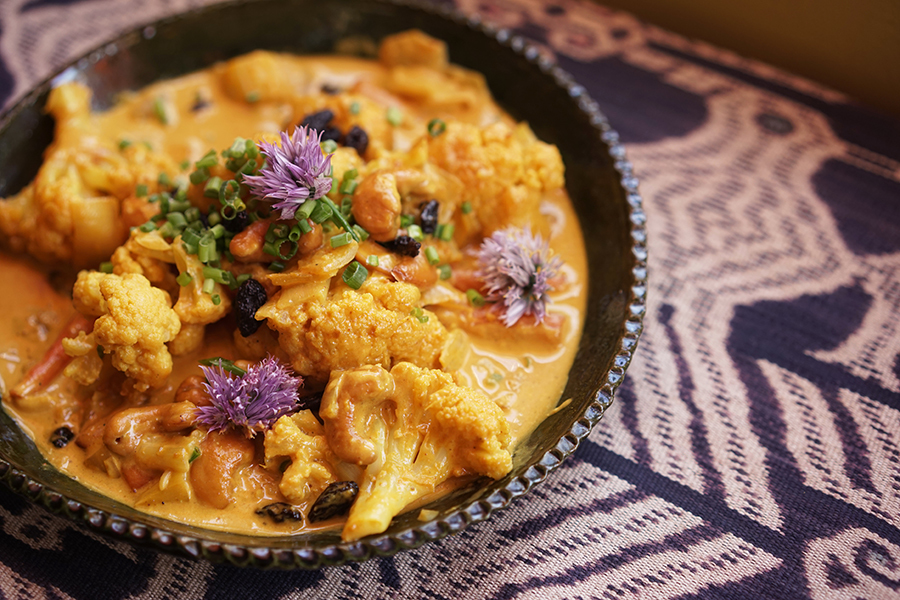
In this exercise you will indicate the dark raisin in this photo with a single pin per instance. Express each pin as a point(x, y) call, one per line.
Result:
point(429, 216)
point(335, 500)
point(311, 402)
point(331, 133)
point(61, 437)
point(358, 139)
point(200, 103)
point(238, 223)
point(331, 90)
point(280, 512)
point(250, 296)
point(404, 245)
point(319, 120)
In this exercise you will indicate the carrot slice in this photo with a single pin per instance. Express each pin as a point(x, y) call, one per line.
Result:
point(54, 361)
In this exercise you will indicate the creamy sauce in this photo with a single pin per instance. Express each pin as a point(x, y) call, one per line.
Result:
point(524, 378)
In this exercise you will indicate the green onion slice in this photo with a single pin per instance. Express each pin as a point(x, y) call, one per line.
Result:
point(354, 275)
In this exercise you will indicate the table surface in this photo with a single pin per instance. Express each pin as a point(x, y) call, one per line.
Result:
point(754, 450)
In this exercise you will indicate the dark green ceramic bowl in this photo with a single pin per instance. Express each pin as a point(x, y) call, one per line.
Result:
point(530, 87)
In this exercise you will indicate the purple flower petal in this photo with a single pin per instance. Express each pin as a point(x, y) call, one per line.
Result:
point(516, 267)
point(252, 402)
point(295, 172)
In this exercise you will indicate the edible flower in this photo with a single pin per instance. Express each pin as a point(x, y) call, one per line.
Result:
point(253, 401)
point(516, 267)
point(295, 172)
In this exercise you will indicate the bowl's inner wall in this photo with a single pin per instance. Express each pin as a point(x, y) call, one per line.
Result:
point(196, 40)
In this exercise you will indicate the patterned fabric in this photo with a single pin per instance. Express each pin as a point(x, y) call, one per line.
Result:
point(755, 448)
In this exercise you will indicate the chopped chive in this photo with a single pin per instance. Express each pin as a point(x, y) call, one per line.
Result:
point(305, 210)
point(141, 190)
point(195, 454)
point(418, 314)
point(341, 239)
point(199, 176)
point(124, 144)
point(321, 212)
point(164, 180)
point(106, 267)
point(446, 232)
point(276, 267)
point(184, 279)
point(192, 214)
point(252, 97)
point(372, 260)
point(168, 231)
point(362, 233)
point(475, 298)
point(208, 286)
point(445, 272)
point(466, 207)
point(242, 278)
point(217, 275)
point(304, 226)
point(354, 108)
point(213, 184)
point(224, 364)
point(217, 300)
point(415, 232)
point(178, 206)
point(276, 248)
point(338, 217)
point(394, 116)
point(436, 127)
point(346, 205)
point(176, 220)
point(209, 159)
point(348, 186)
point(148, 227)
point(296, 232)
point(159, 107)
point(184, 165)
point(206, 250)
point(213, 218)
point(329, 146)
point(431, 254)
point(405, 221)
point(350, 174)
point(355, 275)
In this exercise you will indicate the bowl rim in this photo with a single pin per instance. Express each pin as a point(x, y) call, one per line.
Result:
point(468, 512)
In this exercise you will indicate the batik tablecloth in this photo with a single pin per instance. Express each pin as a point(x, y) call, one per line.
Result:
point(754, 450)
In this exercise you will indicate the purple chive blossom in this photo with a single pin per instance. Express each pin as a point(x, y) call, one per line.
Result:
point(252, 402)
point(516, 267)
point(295, 172)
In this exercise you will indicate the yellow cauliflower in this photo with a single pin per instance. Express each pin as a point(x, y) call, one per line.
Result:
point(411, 429)
point(504, 171)
point(135, 320)
point(301, 438)
point(72, 211)
point(345, 328)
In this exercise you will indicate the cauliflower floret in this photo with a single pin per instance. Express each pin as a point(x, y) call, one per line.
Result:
point(504, 172)
point(301, 438)
point(195, 308)
point(73, 210)
point(264, 77)
point(135, 320)
point(346, 328)
point(411, 429)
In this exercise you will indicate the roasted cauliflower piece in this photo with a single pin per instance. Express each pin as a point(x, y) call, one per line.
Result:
point(412, 429)
point(322, 330)
point(73, 210)
point(300, 438)
point(134, 322)
point(505, 172)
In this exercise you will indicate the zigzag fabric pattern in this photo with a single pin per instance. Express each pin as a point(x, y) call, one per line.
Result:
point(754, 450)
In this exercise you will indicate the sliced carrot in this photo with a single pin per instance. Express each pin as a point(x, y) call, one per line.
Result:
point(54, 361)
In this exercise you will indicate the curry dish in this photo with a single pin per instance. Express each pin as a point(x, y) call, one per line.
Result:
point(290, 293)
